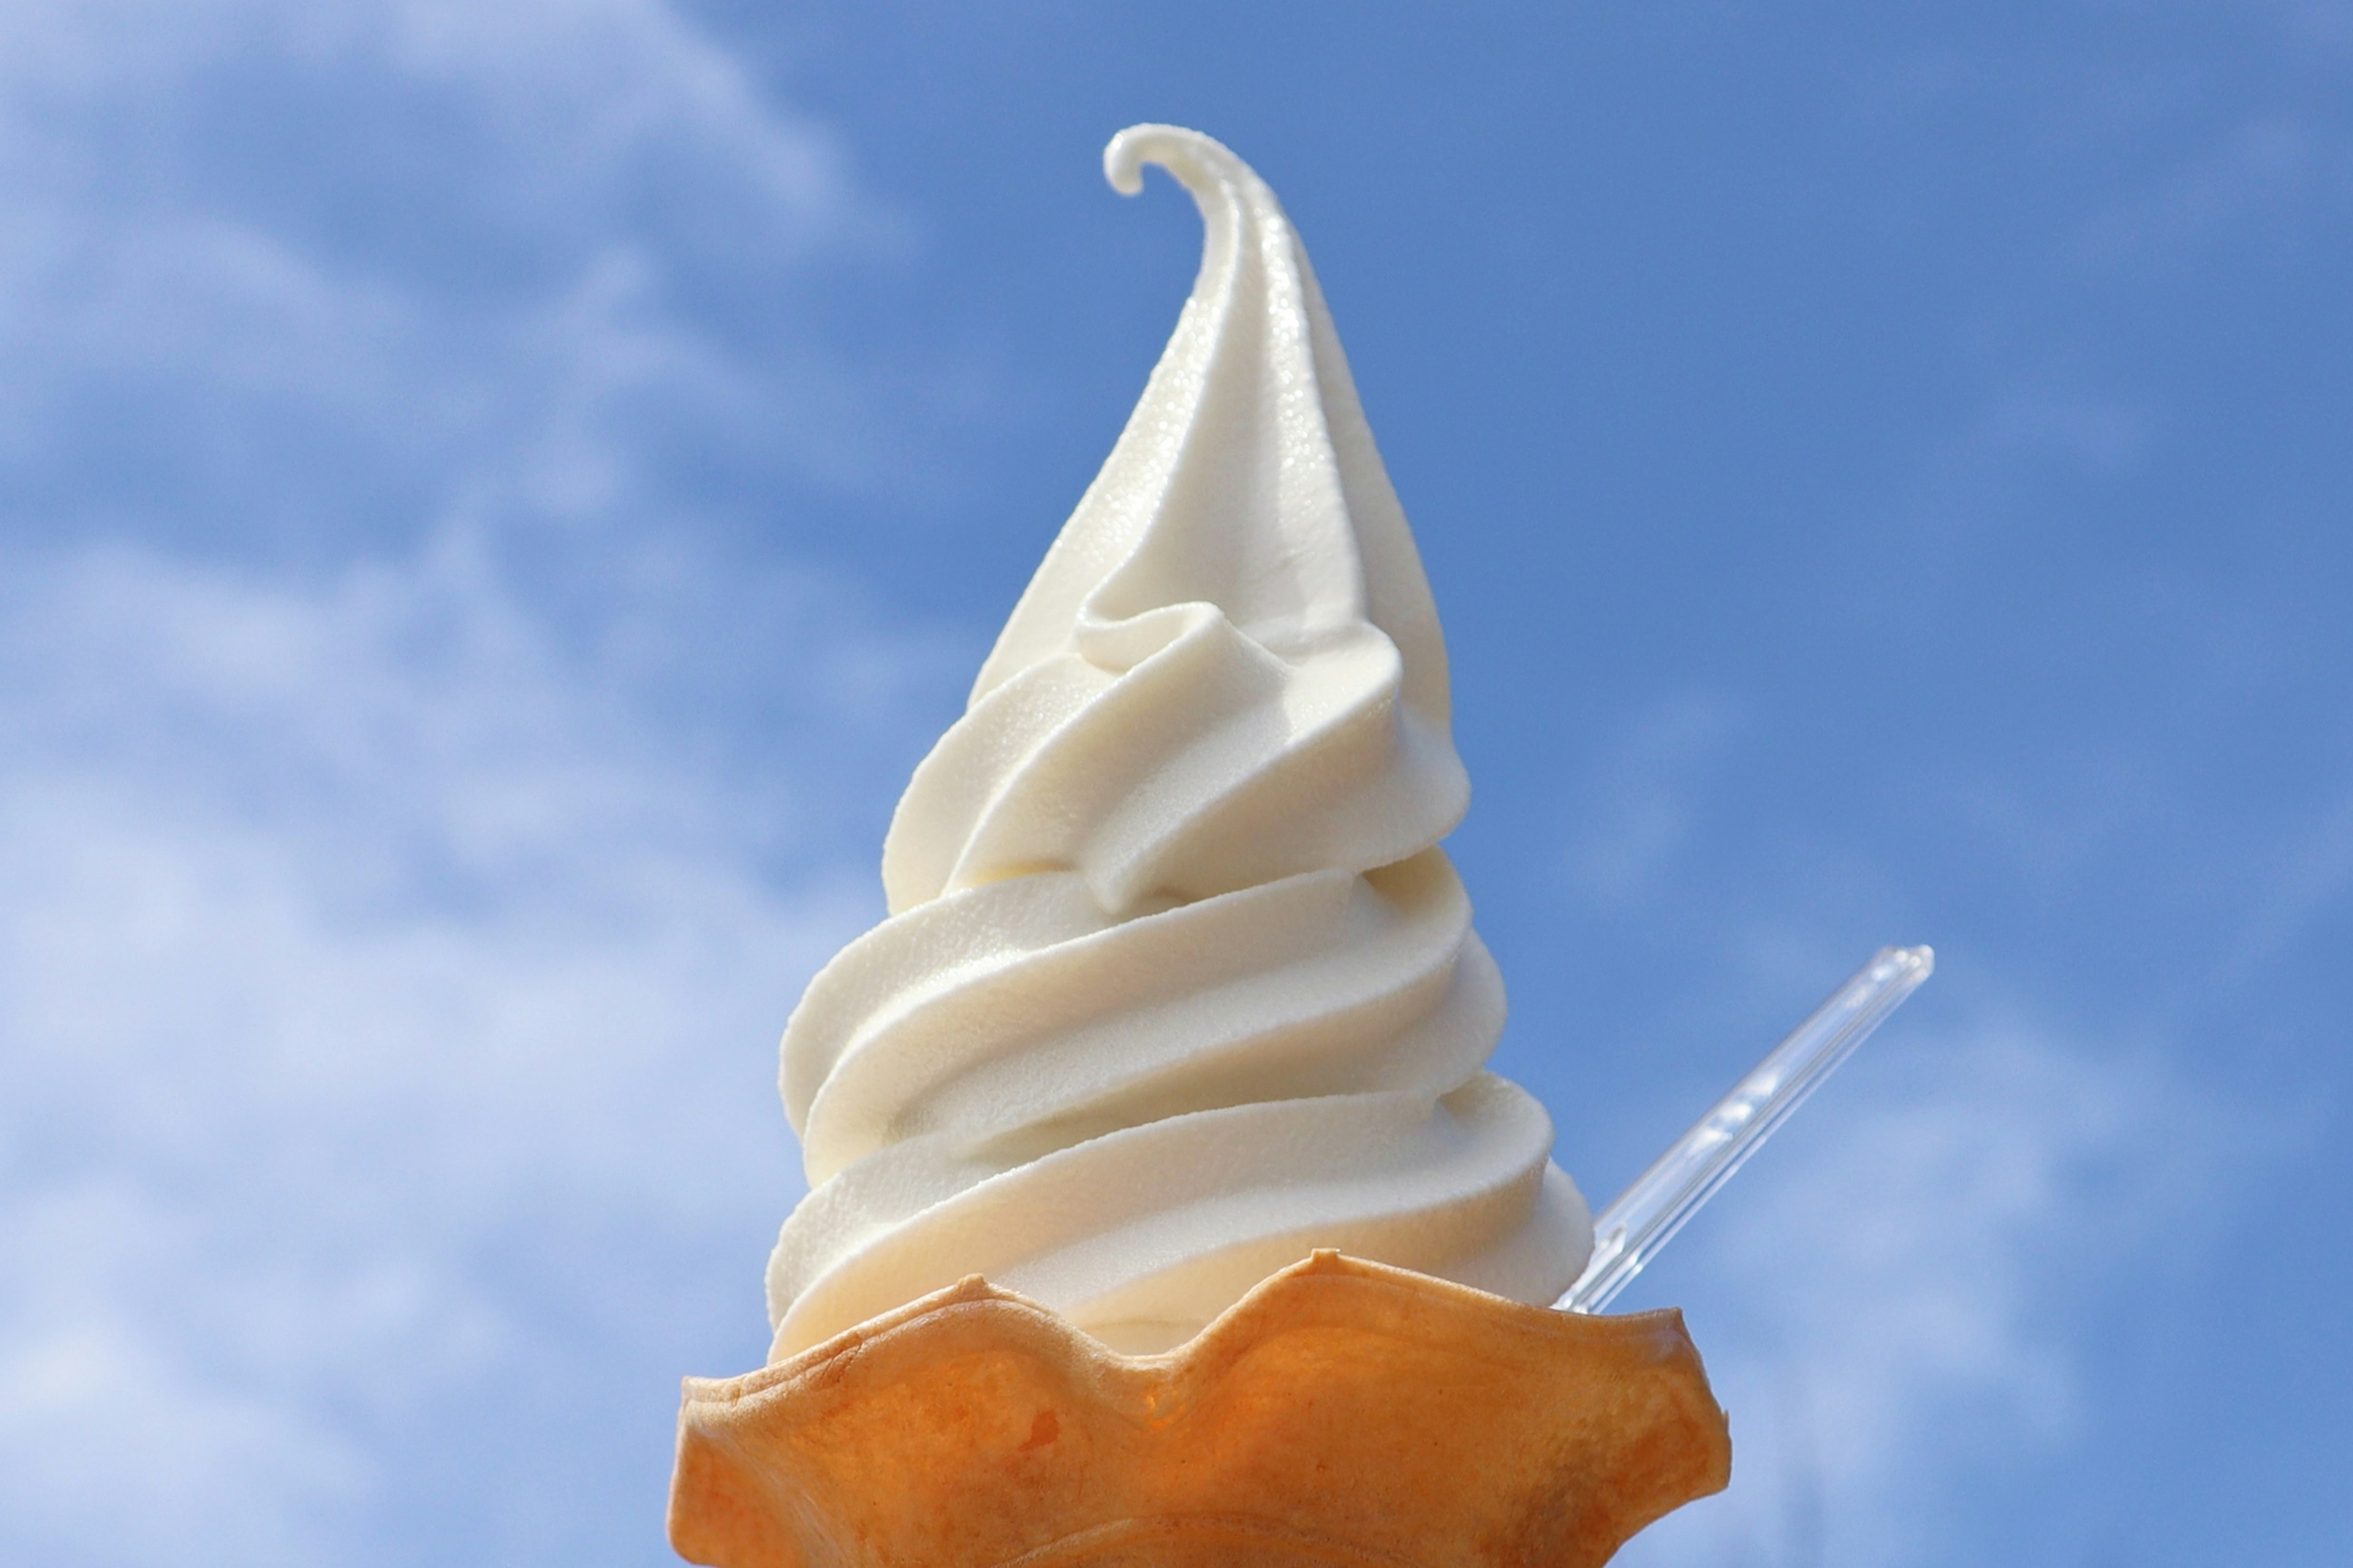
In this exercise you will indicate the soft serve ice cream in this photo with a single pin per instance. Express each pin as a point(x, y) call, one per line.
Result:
point(1176, 985)
point(1176, 988)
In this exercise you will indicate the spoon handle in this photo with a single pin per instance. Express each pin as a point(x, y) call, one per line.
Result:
point(1647, 1215)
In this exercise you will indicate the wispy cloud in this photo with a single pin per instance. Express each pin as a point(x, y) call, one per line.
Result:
point(2312, 877)
point(1891, 1312)
point(2257, 174)
point(1894, 1299)
point(327, 270)
point(1637, 814)
point(415, 825)
point(364, 959)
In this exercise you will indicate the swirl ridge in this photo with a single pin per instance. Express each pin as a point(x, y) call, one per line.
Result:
point(1176, 985)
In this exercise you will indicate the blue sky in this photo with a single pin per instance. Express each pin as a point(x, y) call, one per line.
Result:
point(495, 498)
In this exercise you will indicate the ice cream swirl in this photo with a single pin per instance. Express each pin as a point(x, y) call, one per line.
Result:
point(1175, 986)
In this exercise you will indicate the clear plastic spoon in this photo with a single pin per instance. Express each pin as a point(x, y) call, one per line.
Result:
point(1646, 1215)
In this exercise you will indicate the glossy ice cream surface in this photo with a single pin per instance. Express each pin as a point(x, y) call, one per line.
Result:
point(1176, 985)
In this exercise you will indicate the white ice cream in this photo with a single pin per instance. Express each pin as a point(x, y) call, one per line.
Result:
point(1176, 985)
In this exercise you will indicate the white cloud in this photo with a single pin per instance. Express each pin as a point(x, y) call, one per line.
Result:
point(398, 921)
point(94, 1402)
point(261, 249)
point(606, 81)
point(354, 935)
point(1890, 1299)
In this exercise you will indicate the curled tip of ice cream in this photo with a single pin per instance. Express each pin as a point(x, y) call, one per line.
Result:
point(1176, 984)
point(1196, 160)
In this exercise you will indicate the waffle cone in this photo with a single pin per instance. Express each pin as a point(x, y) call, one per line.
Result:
point(1341, 1412)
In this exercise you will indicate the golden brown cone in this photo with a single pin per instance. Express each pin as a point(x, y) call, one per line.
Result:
point(1341, 1412)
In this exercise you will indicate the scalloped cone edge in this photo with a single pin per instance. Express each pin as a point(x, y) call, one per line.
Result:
point(1341, 1412)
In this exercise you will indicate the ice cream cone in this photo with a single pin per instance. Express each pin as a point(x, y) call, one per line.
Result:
point(1341, 1412)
